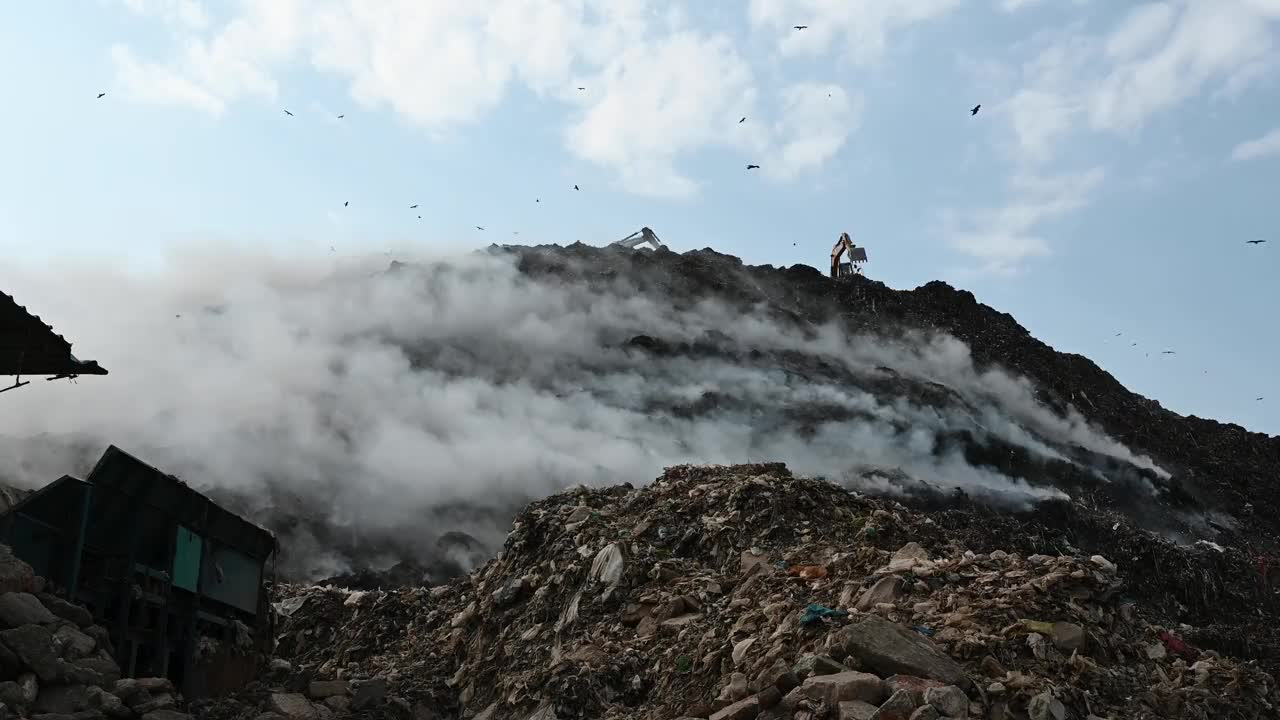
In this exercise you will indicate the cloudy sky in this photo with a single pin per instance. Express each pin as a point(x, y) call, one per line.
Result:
point(1123, 154)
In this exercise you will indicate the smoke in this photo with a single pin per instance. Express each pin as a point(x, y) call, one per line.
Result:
point(363, 414)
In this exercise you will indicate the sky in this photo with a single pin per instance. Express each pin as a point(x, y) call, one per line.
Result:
point(1123, 154)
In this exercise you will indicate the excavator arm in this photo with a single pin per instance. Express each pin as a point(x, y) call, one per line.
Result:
point(636, 239)
point(857, 256)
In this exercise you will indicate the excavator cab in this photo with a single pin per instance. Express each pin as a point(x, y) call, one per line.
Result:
point(844, 247)
point(636, 239)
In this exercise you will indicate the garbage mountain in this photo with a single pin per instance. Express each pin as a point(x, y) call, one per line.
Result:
point(744, 592)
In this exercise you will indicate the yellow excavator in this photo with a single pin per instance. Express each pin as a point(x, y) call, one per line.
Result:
point(856, 257)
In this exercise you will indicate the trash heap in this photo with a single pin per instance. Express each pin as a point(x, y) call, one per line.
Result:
point(56, 664)
point(743, 592)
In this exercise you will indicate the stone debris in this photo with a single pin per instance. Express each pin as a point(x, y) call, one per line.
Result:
point(55, 664)
point(682, 599)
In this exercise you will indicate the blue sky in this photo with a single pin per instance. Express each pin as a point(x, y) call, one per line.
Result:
point(1123, 155)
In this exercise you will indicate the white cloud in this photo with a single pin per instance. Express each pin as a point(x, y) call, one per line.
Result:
point(860, 30)
point(1159, 56)
point(1003, 239)
point(1015, 5)
point(1264, 146)
point(816, 121)
point(657, 89)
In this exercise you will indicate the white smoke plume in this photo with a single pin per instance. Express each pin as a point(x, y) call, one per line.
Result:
point(440, 397)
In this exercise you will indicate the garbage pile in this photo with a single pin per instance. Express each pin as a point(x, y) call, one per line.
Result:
point(56, 664)
point(743, 592)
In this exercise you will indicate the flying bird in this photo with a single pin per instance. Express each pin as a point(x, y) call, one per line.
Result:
point(1168, 352)
point(582, 88)
point(1119, 334)
point(479, 228)
point(744, 119)
point(1254, 242)
point(1133, 345)
point(411, 207)
point(419, 217)
point(346, 203)
point(1259, 398)
point(575, 187)
point(286, 112)
point(331, 249)
point(753, 167)
point(101, 95)
point(800, 27)
point(975, 109)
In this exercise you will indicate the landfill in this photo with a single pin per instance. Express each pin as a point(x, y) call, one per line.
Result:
point(742, 592)
point(56, 664)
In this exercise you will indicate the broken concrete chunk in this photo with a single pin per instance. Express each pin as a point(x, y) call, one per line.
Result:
point(293, 706)
point(888, 648)
point(856, 710)
point(1046, 707)
point(747, 709)
point(949, 700)
point(928, 712)
point(34, 646)
point(886, 590)
point(844, 686)
point(811, 665)
point(899, 706)
point(1067, 636)
point(20, 608)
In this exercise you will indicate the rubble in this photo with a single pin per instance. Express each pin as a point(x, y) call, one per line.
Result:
point(679, 600)
point(54, 663)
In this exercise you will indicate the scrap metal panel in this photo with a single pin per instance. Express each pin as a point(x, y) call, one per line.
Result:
point(186, 559)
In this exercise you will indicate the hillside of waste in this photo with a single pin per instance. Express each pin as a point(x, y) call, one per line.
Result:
point(743, 592)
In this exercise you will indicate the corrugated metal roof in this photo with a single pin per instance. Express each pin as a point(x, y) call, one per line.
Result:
point(30, 347)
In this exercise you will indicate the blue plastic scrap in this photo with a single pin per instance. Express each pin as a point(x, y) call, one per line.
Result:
point(816, 612)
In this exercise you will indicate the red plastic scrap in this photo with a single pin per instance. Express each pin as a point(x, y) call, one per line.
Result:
point(1175, 645)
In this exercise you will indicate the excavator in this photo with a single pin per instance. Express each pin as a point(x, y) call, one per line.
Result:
point(636, 239)
point(857, 256)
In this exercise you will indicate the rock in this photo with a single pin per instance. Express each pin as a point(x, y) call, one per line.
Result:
point(11, 666)
point(292, 705)
point(913, 686)
point(736, 689)
point(368, 694)
point(156, 685)
point(950, 701)
point(158, 701)
point(75, 644)
point(888, 648)
point(109, 704)
point(55, 716)
point(20, 693)
point(856, 710)
point(927, 712)
point(886, 590)
point(811, 665)
point(747, 709)
point(166, 714)
point(899, 706)
point(1067, 636)
point(20, 608)
point(908, 557)
point(741, 649)
point(777, 675)
point(65, 610)
point(15, 575)
point(338, 703)
point(33, 644)
point(1046, 707)
point(62, 699)
point(850, 685)
point(322, 689)
point(129, 691)
point(769, 697)
point(104, 669)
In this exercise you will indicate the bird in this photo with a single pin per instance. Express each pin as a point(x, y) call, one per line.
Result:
point(286, 112)
point(413, 206)
point(1254, 242)
point(101, 95)
point(346, 203)
point(419, 217)
point(800, 27)
point(332, 249)
point(582, 88)
point(575, 187)
point(1259, 398)
point(1119, 334)
point(753, 167)
point(1133, 344)
point(1168, 352)
point(975, 109)
point(744, 119)
point(479, 228)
